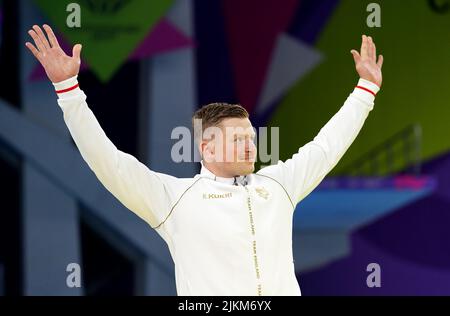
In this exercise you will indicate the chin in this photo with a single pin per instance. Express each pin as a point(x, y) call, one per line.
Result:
point(249, 168)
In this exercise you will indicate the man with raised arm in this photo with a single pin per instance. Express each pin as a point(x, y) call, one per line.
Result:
point(228, 229)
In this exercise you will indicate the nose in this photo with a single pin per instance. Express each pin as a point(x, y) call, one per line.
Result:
point(250, 148)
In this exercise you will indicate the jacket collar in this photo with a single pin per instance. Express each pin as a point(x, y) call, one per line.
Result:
point(205, 172)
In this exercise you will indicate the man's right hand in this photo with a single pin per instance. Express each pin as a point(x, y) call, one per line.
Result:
point(56, 63)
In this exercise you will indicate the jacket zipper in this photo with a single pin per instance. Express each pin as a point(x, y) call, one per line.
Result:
point(255, 254)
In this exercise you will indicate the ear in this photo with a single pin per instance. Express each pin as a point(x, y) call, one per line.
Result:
point(201, 147)
point(206, 147)
point(212, 147)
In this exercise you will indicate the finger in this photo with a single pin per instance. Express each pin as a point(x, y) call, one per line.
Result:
point(33, 50)
point(37, 41)
point(76, 52)
point(51, 36)
point(369, 47)
point(380, 61)
point(356, 56)
point(364, 47)
point(373, 50)
point(42, 37)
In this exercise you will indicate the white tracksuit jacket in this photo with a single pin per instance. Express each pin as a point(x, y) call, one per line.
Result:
point(224, 239)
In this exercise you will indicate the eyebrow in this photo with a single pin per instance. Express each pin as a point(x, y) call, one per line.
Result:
point(251, 135)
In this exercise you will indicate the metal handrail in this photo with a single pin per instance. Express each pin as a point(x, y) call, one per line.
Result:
point(408, 139)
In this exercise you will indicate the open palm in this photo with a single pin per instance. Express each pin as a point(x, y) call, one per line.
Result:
point(366, 62)
point(56, 63)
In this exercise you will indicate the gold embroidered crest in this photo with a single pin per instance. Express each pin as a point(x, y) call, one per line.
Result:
point(262, 192)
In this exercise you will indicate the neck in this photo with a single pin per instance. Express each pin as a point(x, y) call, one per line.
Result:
point(217, 171)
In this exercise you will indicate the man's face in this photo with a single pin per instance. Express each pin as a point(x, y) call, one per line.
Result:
point(232, 150)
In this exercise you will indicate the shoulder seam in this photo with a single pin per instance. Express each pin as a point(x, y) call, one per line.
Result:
point(285, 191)
point(173, 207)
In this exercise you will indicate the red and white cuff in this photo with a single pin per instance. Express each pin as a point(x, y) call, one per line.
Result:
point(67, 88)
point(366, 90)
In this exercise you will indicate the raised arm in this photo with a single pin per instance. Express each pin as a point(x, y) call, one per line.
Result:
point(307, 168)
point(141, 190)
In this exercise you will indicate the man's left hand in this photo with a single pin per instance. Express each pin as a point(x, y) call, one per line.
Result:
point(366, 62)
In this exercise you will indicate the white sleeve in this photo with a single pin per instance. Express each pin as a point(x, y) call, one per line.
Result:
point(306, 169)
point(141, 190)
